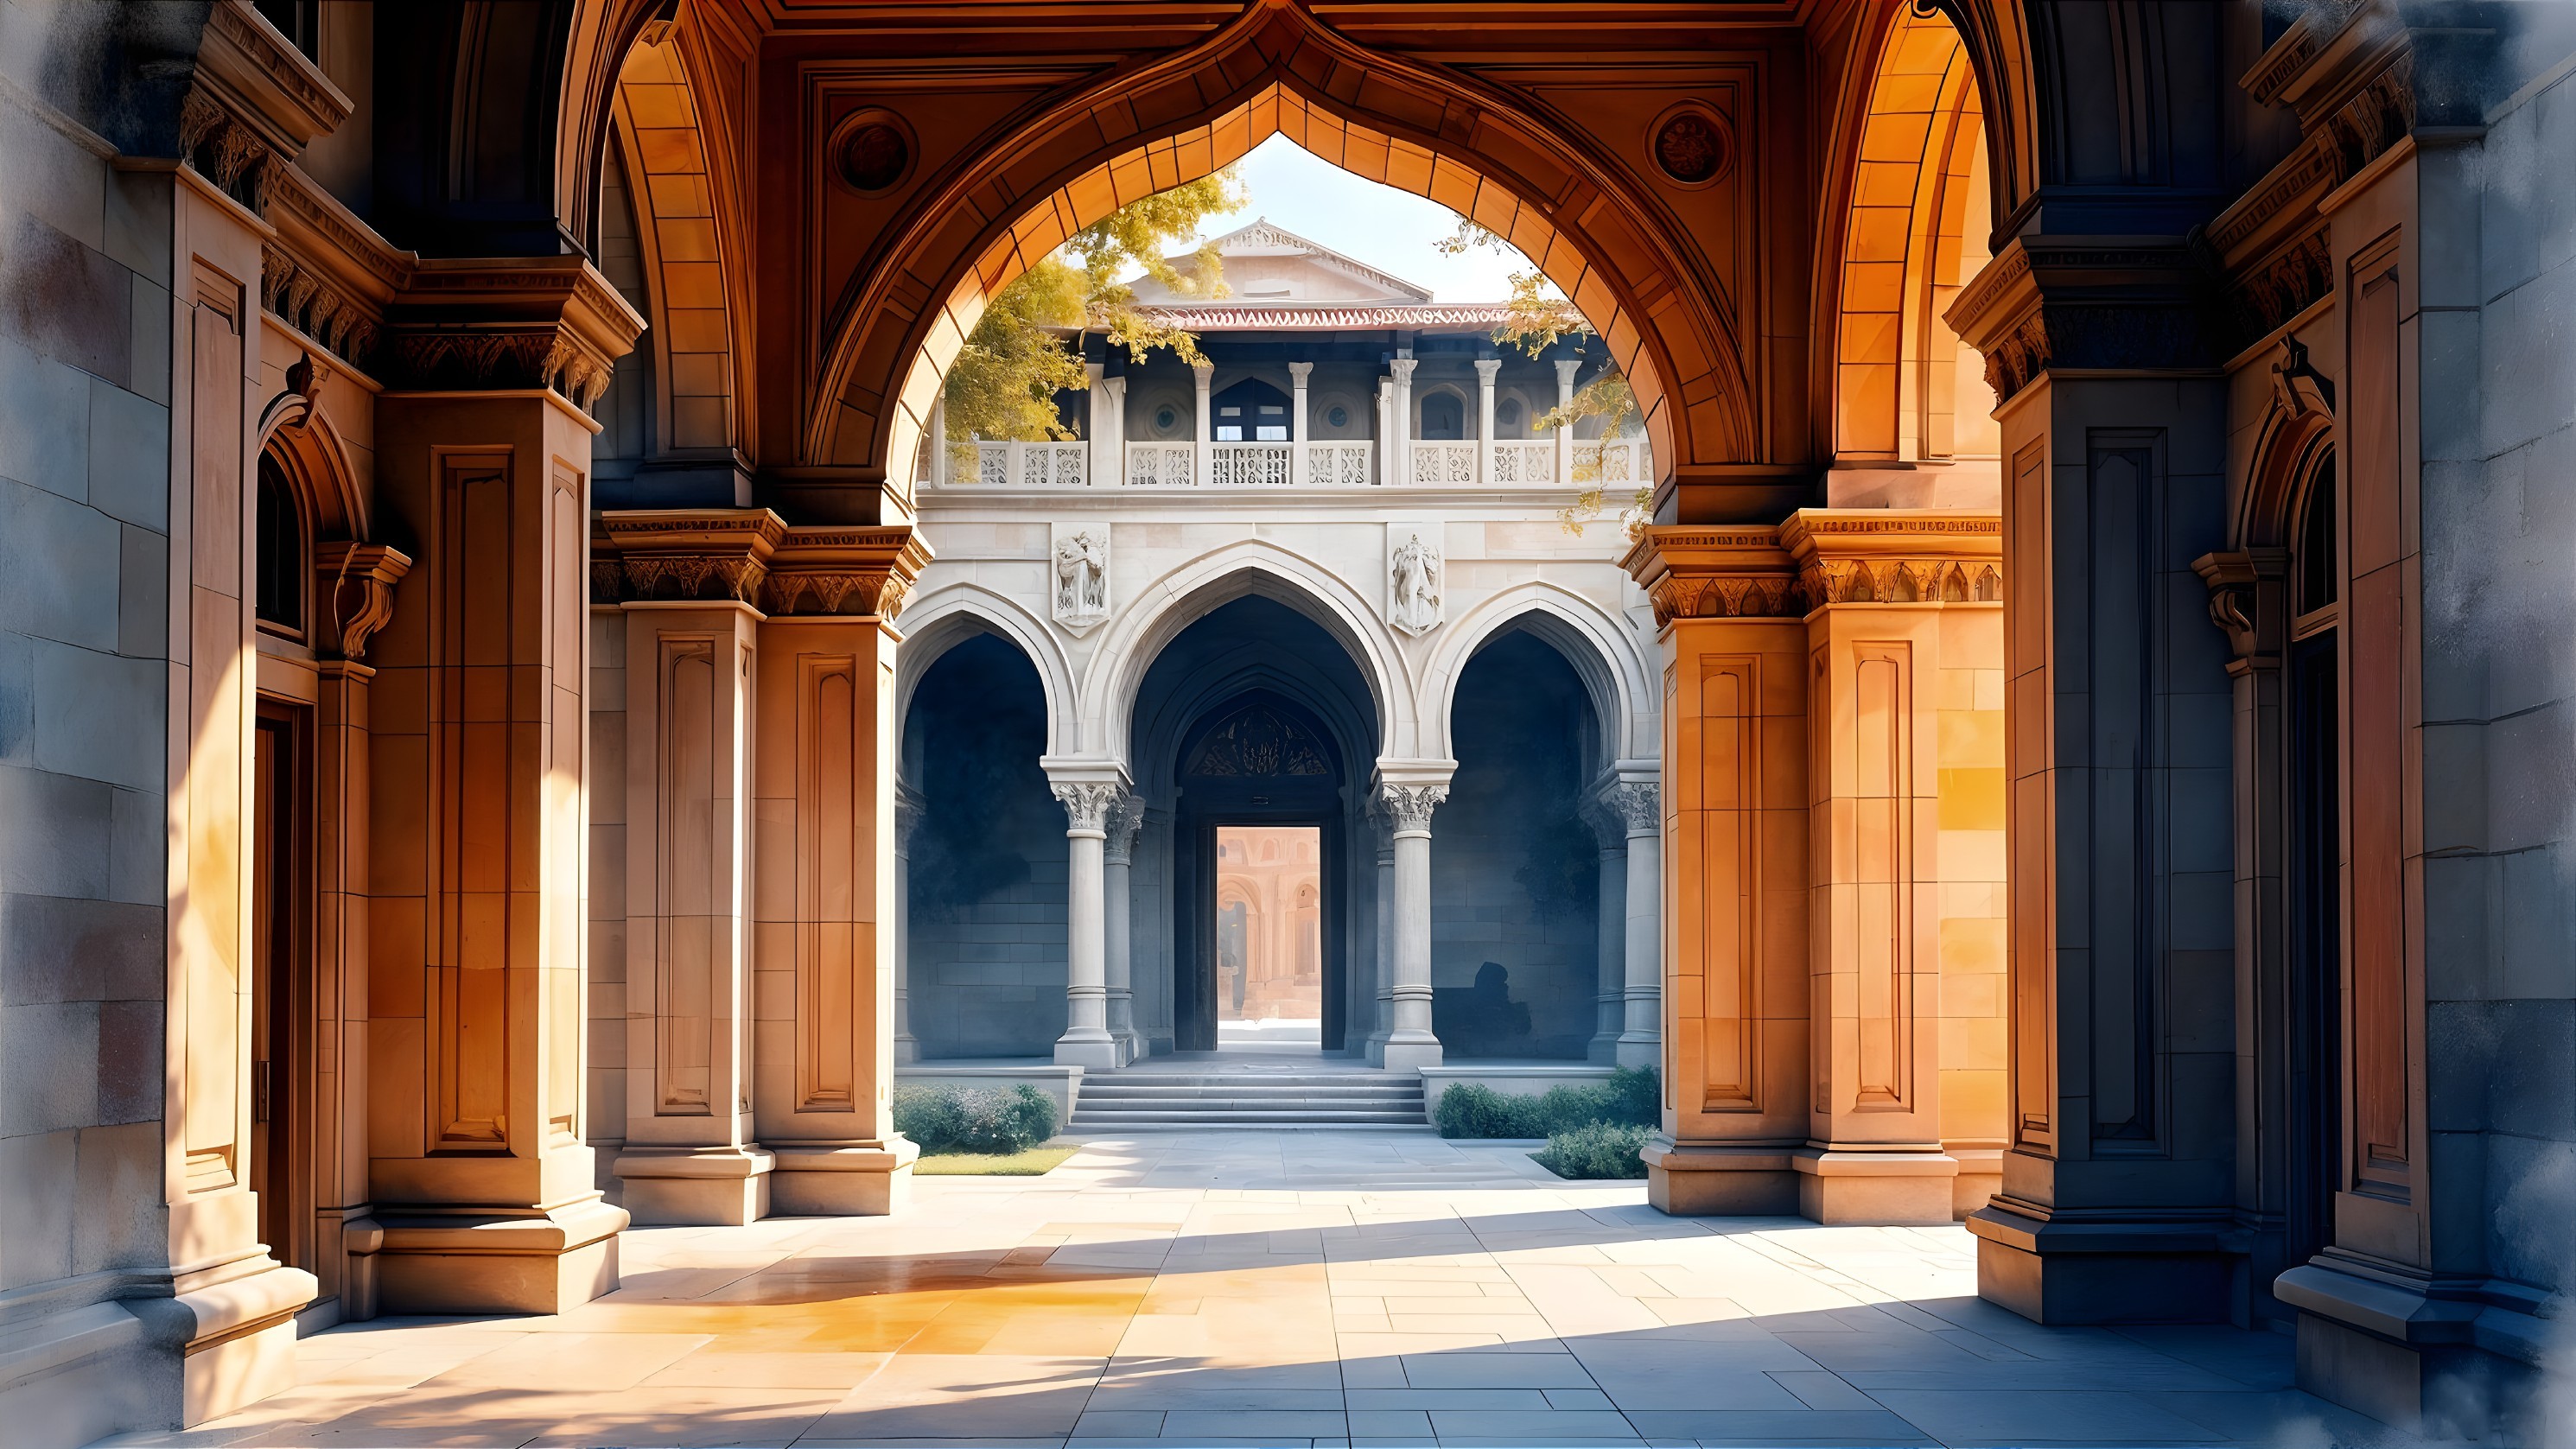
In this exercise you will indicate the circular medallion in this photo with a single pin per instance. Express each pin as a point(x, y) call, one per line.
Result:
point(1339, 417)
point(873, 153)
point(1692, 145)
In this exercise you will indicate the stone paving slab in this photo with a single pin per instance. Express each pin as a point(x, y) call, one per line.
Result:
point(1292, 1290)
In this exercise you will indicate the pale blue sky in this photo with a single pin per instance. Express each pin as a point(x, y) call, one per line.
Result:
point(1390, 230)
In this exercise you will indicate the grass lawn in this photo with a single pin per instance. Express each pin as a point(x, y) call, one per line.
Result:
point(1032, 1162)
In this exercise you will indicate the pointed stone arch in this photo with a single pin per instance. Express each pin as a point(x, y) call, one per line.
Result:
point(1601, 649)
point(892, 331)
point(943, 618)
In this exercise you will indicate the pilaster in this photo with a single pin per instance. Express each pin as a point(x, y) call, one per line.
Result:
point(822, 903)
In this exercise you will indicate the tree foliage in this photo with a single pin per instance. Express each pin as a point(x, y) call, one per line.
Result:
point(1003, 383)
point(1538, 315)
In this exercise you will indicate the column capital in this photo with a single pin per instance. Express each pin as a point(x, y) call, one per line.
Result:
point(1638, 804)
point(1298, 372)
point(1126, 821)
point(1203, 371)
point(1486, 367)
point(1693, 572)
point(2131, 303)
point(711, 554)
point(1895, 555)
point(1087, 806)
point(524, 322)
point(1566, 368)
point(1401, 369)
point(1408, 807)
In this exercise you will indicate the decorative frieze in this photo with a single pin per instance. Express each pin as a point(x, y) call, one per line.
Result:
point(1820, 557)
point(752, 556)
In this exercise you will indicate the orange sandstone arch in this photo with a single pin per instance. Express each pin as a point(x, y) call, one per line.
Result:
point(1914, 215)
point(1574, 214)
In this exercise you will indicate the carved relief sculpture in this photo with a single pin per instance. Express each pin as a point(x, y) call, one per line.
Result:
point(1081, 579)
point(1413, 570)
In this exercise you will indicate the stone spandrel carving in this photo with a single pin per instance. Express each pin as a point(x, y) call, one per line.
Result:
point(1413, 584)
point(1409, 807)
point(1080, 565)
point(1088, 806)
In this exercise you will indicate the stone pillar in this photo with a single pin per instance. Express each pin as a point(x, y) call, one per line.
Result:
point(939, 438)
point(1100, 444)
point(1408, 804)
point(1089, 796)
point(1116, 435)
point(354, 599)
point(690, 1156)
point(1382, 958)
point(1117, 856)
point(1486, 367)
point(823, 903)
point(1387, 442)
point(1610, 951)
point(909, 808)
point(1641, 1031)
point(2117, 1195)
point(1204, 457)
point(1566, 367)
point(1297, 374)
point(1402, 369)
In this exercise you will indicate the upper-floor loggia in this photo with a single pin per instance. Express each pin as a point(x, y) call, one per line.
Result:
point(1322, 371)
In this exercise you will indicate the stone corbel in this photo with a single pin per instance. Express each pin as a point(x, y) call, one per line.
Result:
point(293, 408)
point(2243, 602)
point(358, 581)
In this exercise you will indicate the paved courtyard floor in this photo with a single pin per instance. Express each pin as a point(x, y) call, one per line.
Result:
point(1288, 1288)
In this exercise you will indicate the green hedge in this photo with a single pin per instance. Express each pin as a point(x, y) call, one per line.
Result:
point(1598, 1149)
point(1629, 1098)
point(952, 1119)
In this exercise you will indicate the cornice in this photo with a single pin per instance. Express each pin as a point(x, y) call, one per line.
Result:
point(266, 83)
point(2135, 304)
point(866, 571)
point(685, 554)
point(1819, 557)
point(537, 322)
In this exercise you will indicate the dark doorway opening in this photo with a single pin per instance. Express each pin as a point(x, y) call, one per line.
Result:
point(281, 940)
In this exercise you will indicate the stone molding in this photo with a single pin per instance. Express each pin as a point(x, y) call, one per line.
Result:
point(358, 582)
point(1819, 557)
point(752, 556)
point(2120, 304)
point(1088, 804)
point(537, 322)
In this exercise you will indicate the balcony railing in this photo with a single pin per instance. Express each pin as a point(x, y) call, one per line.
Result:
point(1512, 463)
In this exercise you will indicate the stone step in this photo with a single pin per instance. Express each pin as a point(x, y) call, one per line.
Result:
point(1110, 1082)
point(1236, 1099)
point(1194, 1089)
point(1389, 1117)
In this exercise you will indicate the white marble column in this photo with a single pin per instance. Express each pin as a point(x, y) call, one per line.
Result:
point(1402, 368)
point(1566, 367)
point(1386, 440)
point(1297, 437)
point(1640, 805)
point(1086, 1041)
point(939, 437)
point(1116, 438)
point(1117, 855)
point(909, 811)
point(1411, 1043)
point(1486, 367)
point(1103, 459)
point(1610, 996)
point(1199, 471)
point(1382, 957)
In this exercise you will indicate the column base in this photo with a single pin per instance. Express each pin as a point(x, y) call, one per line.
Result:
point(848, 1179)
point(1632, 1050)
point(1981, 1176)
point(1403, 1054)
point(497, 1261)
point(1100, 1051)
point(2449, 1368)
point(1374, 1049)
point(1706, 1180)
point(1603, 1049)
point(83, 1373)
point(1841, 1187)
point(2059, 1271)
point(695, 1186)
point(907, 1050)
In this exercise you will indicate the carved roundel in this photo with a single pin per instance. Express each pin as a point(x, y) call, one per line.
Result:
point(1692, 145)
point(872, 152)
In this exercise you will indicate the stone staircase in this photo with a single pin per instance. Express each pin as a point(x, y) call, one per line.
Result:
point(1117, 1101)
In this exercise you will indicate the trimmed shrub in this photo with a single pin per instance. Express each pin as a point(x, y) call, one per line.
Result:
point(1469, 1109)
point(1600, 1149)
point(953, 1119)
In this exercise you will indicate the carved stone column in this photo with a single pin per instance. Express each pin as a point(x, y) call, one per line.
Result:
point(691, 641)
point(1486, 367)
point(909, 810)
point(1400, 405)
point(1089, 794)
point(1204, 457)
point(823, 904)
point(1118, 855)
point(1610, 951)
point(483, 1180)
point(1641, 1029)
point(1566, 367)
point(1408, 803)
point(1382, 958)
point(1298, 372)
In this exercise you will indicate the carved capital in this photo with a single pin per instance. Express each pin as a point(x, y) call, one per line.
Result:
point(2079, 302)
point(1895, 556)
point(1088, 804)
point(1126, 822)
point(854, 571)
point(1408, 807)
point(1402, 370)
point(536, 322)
point(710, 554)
point(357, 583)
point(1716, 573)
point(1639, 804)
